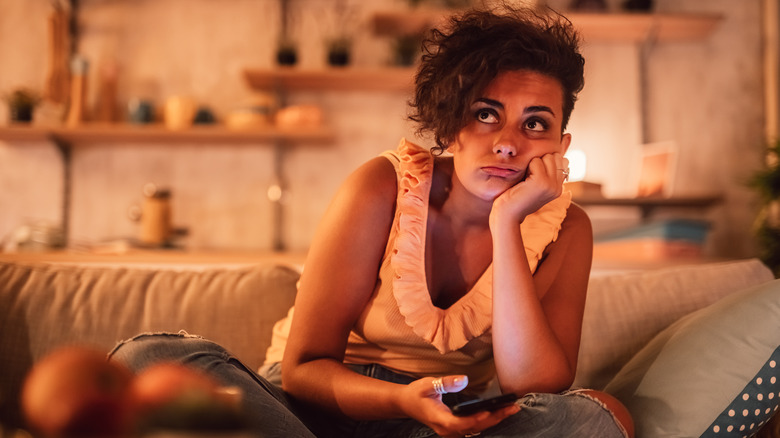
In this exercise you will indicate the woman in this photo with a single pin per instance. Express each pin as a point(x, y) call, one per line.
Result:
point(432, 276)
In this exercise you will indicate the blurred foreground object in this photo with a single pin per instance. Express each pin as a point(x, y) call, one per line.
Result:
point(75, 391)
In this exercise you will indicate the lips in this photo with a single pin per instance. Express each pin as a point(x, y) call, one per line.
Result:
point(501, 172)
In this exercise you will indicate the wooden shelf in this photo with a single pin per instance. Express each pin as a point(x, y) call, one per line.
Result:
point(155, 133)
point(347, 78)
point(595, 27)
point(647, 205)
point(677, 201)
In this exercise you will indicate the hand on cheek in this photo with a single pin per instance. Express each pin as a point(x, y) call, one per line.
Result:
point(543, 183)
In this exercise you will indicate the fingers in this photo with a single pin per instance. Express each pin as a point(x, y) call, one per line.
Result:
point(446, 384)
point(550, 170)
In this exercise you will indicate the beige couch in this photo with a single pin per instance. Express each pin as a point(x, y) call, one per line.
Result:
point(44, 306)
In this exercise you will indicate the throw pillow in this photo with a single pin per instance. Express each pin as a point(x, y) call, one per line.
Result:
point(714, 373)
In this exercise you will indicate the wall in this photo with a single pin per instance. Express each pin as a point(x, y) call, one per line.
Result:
point(706, 96)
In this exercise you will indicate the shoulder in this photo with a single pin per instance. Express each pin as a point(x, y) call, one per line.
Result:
point(577, 220)
point(374, 179)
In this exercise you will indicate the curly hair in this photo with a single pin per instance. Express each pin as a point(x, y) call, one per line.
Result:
point(460, 61)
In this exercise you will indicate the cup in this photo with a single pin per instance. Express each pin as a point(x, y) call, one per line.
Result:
point(179, 112)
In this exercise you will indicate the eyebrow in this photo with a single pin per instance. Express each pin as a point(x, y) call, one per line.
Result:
point(530, 109)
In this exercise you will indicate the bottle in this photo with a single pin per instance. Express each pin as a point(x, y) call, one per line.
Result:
point(78, 91)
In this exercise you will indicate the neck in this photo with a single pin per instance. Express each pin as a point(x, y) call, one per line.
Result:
point(465, 209)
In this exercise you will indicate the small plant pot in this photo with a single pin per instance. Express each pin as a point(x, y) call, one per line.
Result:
point(21, 104)
point(339, 52)
point(338, 58)
point(287, 56)
point(21, 113)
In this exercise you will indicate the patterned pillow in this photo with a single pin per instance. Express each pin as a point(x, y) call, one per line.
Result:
point(714, 373)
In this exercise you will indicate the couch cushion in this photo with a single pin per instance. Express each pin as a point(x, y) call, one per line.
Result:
point(624, 311)
point(713, 373)
point(43, 307)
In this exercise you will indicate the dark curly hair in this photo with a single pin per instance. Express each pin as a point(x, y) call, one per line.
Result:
point(460, 61)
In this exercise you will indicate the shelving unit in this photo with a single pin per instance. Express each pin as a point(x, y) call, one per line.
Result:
point(66, 138)
point(633, 28)
point(595, 27)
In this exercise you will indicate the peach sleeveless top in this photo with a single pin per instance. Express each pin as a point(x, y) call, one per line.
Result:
point(400, 328)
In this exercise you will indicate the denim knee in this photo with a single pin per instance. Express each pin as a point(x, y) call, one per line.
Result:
point(571, 414)
point(146, 349)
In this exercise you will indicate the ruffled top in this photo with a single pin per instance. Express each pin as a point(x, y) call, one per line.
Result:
point(400, 327)
point(449, 329)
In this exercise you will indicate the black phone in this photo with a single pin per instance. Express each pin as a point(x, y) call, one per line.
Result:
point(491, 404)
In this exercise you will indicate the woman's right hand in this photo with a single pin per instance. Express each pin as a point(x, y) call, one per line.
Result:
point(419, 400)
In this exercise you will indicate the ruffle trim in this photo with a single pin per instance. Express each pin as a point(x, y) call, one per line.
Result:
point(449, 329)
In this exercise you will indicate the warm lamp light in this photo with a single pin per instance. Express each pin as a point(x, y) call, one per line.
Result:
point(577, 164)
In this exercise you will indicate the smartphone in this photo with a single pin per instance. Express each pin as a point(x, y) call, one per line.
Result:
point(479, 405)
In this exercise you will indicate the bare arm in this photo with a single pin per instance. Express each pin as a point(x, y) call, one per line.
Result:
point(339, 277)
point(537, 318)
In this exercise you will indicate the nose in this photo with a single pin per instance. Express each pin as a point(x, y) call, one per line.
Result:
point(505, 149)
point(505, 145)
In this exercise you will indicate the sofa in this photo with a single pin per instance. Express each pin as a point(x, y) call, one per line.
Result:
point(691, 349)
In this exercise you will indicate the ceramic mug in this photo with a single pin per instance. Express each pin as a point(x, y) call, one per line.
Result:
point(179, 112)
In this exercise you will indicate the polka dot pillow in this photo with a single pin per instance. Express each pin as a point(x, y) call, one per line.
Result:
point(714, 373)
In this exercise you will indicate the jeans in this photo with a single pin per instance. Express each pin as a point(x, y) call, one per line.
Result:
point(272, 413)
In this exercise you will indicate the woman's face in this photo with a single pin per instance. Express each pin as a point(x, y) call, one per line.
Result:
point(517, 118)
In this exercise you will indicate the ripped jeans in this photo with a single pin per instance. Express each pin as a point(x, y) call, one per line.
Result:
point(272, 413)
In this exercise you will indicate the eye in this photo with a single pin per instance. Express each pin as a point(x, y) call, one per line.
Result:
point(535, 124)
point(486, 115)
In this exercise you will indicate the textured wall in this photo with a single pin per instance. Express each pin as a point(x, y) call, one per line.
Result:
point(706, 96)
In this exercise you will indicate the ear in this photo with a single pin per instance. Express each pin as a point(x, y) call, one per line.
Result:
point(565, 142)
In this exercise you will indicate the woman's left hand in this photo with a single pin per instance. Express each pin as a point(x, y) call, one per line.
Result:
point(422, 402)
point(543, 183)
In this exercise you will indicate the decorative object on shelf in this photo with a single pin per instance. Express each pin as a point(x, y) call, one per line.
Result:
point(204, 116)
point(589, 5)
point(339, 51)
point(140, 111)
point(766, 182)
point(256, 113)
point(35, 236)
point(287, 53)
point(638, 5)
point(21, 104)
point(154, 216)
point(77, 110)
point(179, 112)
point(299, 116)
point(287, 48)
point(106, 109)
point(338, 40)
point(60, 44)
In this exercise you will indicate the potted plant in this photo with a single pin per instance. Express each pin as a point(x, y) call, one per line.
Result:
point(338, 51)
point(21, 103)
point(287, 52)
